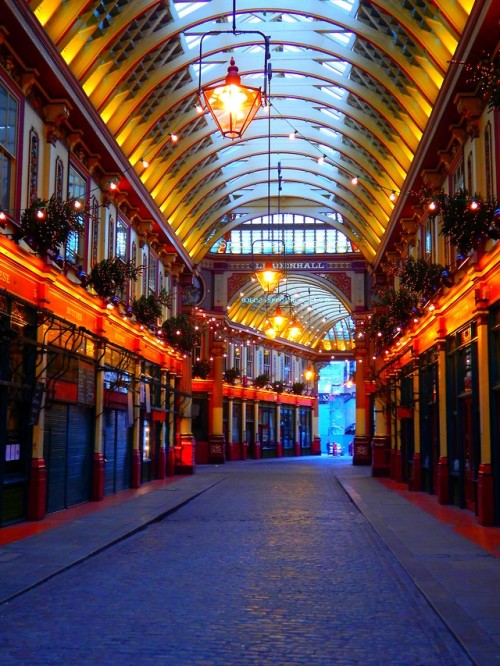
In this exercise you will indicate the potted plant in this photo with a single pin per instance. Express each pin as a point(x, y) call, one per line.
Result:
point(183, 331)
point(278, 386)
point(231, 375)
point(261, 381)
point(109, 276)
point(201, 369)
point(47, 224)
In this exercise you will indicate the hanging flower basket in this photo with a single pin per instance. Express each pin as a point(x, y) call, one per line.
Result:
point(261, 381)
point(466, 220)
point(201, 369)
point(421, 276)
point(298, 388)
point(148, 309)
point(231, 375)
point(109, 277)
point(46, 225)
point(183, 331)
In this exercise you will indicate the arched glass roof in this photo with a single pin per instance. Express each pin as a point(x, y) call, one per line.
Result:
point(351, 86)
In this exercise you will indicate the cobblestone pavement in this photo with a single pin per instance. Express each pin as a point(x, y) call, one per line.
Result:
point(273, 565)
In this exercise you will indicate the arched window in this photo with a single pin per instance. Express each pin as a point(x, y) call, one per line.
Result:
point(300, 234)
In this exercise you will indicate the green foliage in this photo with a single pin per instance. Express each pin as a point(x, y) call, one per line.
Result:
point(47, 224)
point(278, 386)
point(487, 77)
point(465, 224)
point(201, 369)
point(109, 276)
point(148, 309)
point(298, 388)
point(184, 331)
point(231, 375)
point(420, 276)
point(420, 281)
point(261, 380)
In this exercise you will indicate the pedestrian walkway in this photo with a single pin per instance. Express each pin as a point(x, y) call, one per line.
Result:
point(454, 562)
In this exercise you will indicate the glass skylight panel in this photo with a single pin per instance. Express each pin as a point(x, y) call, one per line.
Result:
point(341, 37)
point(339, 66)
point(186, 8)
point(345, 5)
point(333, 113)
point(334, 91)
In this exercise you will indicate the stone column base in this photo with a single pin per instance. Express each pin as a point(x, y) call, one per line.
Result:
point(244, 451)
point(396, 466)
point(362, 454)
point(136, 469)
point(316, 446)
point(37, 495)
point(381, 451)
point(162, 466)
point(415, 483)
point(185, 463)
point(443, 482)
point(216, 450)
point(485, 503)
point(170, 461)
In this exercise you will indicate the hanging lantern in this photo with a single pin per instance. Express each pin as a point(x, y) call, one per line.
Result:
point(232, 105)
point(269, 277)
point(294, 330)
point(279, 320)
point(269, 330)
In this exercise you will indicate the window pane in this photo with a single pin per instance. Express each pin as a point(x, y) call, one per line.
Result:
point(8, 140)
point(121, 240)
point(76, 190)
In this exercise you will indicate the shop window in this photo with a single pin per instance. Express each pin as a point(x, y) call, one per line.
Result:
point(9, 120)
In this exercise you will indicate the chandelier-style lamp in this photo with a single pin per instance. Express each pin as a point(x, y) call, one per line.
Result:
point(232, 105)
